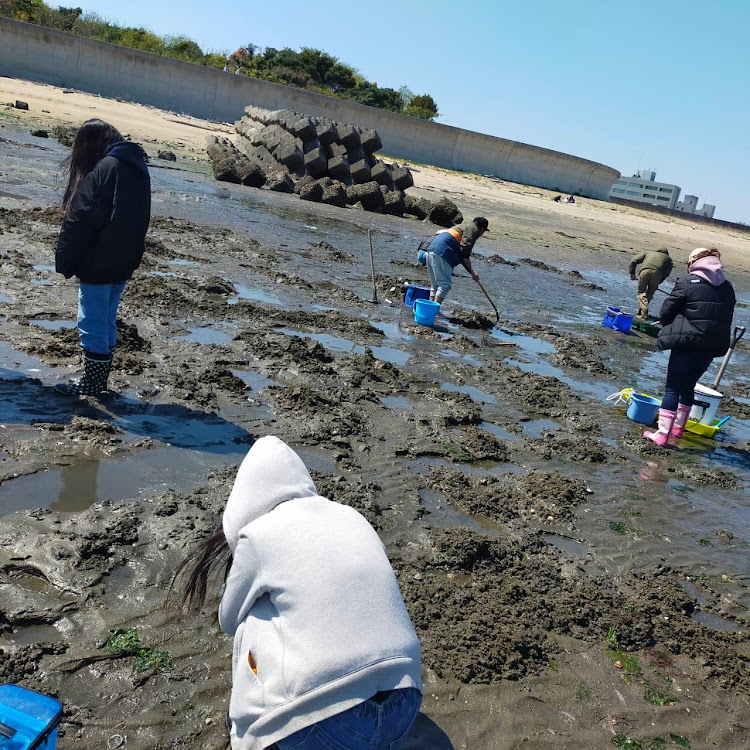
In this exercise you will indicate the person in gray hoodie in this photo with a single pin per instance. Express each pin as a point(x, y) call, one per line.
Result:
point(324, 649)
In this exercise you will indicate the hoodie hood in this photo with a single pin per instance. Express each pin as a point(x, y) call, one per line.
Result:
point(710, 269)
point(129, 153)
point(664, 250)
point(270, 474)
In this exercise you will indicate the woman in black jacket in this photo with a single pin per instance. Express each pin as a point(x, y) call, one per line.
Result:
point(107, 206)
point(696, 320)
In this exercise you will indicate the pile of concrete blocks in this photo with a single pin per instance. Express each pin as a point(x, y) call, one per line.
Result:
point(321, 161)
point(316, 158)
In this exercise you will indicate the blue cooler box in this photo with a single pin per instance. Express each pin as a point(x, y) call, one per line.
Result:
point(28, 720)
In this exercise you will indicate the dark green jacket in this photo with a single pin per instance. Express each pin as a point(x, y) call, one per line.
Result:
point(469, 235)
point(658, 260)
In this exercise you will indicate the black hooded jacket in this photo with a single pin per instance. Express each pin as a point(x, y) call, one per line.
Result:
point(102, 238)
point(697, 317)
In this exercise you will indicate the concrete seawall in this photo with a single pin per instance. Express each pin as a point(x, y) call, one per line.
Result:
point(38, 54)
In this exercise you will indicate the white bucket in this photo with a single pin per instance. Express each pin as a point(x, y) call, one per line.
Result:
point(706, 405)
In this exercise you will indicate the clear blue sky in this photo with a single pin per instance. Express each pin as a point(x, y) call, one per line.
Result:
point(629, 83)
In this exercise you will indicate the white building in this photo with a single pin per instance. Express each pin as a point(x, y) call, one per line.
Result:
point(643, 188)
point(690, 206)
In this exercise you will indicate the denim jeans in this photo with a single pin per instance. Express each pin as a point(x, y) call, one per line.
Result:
point(683, 372)
point(97, 316)
point(366, 726)
point(441, 275)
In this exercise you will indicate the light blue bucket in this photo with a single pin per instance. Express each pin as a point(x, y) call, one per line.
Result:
point(425, 312)
point(643, 409)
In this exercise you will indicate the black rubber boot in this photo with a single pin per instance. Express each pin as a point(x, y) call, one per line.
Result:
point(96, 369)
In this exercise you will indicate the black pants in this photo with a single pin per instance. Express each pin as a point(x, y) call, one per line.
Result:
point(683, 372)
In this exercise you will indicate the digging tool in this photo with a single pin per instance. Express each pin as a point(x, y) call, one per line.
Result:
point(739, 332)
point(374, 299)
point(494, 306)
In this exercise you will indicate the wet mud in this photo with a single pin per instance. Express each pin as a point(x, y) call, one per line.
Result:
point(537, 538)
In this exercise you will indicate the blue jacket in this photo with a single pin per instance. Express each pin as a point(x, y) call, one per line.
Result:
point(448, 247)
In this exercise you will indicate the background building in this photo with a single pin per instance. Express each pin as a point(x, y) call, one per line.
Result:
point(690, 206)
point(643, 188)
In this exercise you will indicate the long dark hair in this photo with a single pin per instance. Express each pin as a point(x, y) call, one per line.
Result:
point(92, 142)
point(212, 556)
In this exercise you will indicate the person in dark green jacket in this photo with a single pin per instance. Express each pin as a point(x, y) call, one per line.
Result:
point(656, 265)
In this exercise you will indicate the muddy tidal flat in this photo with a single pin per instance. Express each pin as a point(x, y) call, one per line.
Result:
point(573, 586)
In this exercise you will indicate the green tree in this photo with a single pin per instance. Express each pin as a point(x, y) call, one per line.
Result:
point(372, 96)
point(422, 106)
point(184, 49)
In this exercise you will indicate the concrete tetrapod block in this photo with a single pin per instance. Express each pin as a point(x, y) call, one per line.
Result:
point(402, 178)
point(326, 131)
point(289, 154)
point(360, 172)
point(335, 195)
point(419, 207)
point(355, 154)
point(311, 192)
point(280, 182)
point(316, 162)
point(302, 182)
point(348, 136)
point(250, 172)
point(444, 213)
point(302, 127)
point(381, 173)
point(394, 202)
point(370, 140)
point(337, 149)
point(368, 195)
point(338, 168)
point(225, 170)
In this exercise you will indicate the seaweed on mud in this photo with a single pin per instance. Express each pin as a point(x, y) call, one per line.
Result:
point(539, 393)
point(283, 351)
point(455, 408)
point(569, 447)
point(473, 444)
point(362, 496)
point(575, 353)
point(321, 416)
point(735, 408)
point(20, 665)
point(539, 494)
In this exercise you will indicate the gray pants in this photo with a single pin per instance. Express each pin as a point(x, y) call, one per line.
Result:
point(441, 275)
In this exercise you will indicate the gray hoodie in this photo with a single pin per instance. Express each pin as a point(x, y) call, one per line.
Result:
point(312, 596)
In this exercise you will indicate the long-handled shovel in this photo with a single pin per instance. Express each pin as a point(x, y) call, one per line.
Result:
point(494, 306)
point(739, 332)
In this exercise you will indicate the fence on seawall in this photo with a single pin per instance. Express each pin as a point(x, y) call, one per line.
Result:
point(35, 53)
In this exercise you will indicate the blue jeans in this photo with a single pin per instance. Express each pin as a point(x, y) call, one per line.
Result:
point(367, 726)
point(97, 316)
point(683, 372)
point(441, 275)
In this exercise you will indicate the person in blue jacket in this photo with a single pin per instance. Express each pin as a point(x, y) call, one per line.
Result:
point(107, 205)
point(448, 249)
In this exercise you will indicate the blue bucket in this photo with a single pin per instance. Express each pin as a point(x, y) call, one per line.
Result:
point(425, 312)
point(414, 292)
point(643, 409)
point(28, 720)
point(610, 316)
point(623, 322)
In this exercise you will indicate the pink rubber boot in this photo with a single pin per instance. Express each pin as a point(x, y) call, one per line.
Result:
point(678, 428)
point(666, 420)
